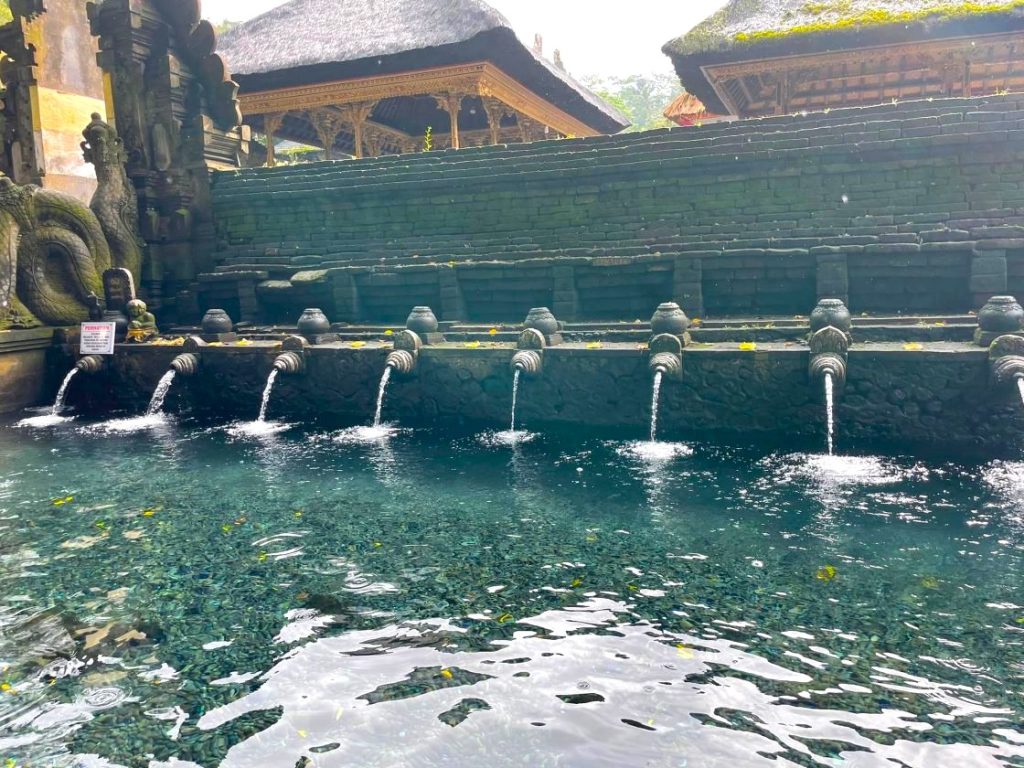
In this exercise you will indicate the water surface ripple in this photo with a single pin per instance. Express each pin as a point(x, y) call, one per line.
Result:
point(179, 597)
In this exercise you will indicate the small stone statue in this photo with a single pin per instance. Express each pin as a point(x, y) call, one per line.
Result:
point(142, 323)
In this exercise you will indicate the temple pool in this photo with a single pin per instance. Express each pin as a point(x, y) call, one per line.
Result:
point(181, 596)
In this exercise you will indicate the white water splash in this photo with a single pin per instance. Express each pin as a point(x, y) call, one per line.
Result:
point(267, 390)
point(52, 418)
point(830, 411)
point(130, 424)
point(1020, 388)
point(58, 404)
point(380, 395)
point(374, 434)
point(156, 403)
point(654, 405)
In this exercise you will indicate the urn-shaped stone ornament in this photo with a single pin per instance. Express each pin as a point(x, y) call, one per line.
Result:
point(216, 321)
point(313, 322)
point(669, 318)
point(422, 321)
point(541, 319)
point(1001, 314)
point(831, 312)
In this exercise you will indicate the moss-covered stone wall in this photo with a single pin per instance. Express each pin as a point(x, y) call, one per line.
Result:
point(909, 208)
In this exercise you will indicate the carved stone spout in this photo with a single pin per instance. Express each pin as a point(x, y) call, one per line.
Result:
point(666, 355)
point(529, 361)
point(830, 347)
point(290, 362)
point(401, 361)
point(91, 364)
point(186, 364)
point(1006, 358)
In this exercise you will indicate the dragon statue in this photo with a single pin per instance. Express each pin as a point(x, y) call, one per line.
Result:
point(54, 249)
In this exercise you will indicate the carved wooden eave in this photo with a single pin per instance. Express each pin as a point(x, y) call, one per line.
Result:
point(871, 75)
point(478, 79)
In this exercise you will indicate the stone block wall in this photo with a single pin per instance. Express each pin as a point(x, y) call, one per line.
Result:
point(908, 208)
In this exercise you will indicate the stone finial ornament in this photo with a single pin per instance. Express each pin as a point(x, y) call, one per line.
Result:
point(1000, 315)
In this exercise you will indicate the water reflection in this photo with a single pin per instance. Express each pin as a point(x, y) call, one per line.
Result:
point(583, 686)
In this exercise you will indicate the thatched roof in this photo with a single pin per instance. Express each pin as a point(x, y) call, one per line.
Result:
point(746, 23)
point(764, 29)
point(309, 41)
point(304, 32)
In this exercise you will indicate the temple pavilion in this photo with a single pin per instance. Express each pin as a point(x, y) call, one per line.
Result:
point(373, 77)
point(766, 57)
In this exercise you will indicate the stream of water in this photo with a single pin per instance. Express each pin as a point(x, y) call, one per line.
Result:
point(654, 405)
point(830, 410)
point(381, 392)
point(58, 404)
point(515, 397)
point(156, 403)
point(267, 391)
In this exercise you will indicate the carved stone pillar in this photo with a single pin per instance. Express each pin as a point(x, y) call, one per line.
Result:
point(452, 104)
point(327, 123)
point(271, 125)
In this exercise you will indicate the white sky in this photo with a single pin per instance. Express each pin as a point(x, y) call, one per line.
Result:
point(596, 37)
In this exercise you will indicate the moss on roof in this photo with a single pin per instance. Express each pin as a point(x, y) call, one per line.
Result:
point(751, 21)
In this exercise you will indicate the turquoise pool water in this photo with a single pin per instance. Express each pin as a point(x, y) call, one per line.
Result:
point(180, 596)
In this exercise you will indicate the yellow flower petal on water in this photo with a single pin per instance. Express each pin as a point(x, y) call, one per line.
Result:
point(377, 545)
point(577, 582)
point(243, 343)
point(939, 323)
point(684, 652)
point(261, 557)
point(696, 321)
point(148, 512)
point(358, 344)
point(215, 344)
point(472, 345)
point(913, 347)
point(632, 587)
point(930, 582)
point(298, 513)
point(61, 502)
point(594, 345)
point(505, 618)
point(748, 346)
point(389, 332)
point(5, 687)
point(446, 674)
point(227, 528)
point(493, 331)
point(826, 573)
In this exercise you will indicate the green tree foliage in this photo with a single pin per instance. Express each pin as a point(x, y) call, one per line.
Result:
point(224, 26)
point(641, 98)
point(5, 12)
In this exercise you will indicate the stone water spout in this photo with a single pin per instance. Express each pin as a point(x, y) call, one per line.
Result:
point(829, 343)
point(290, 362)
point(91, 364)
point(530, 362)
point(670, 335)
point(186, 364)
point(1006, 358)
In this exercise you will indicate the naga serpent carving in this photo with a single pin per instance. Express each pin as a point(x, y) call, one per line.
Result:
point(114, 202)
point(54, 249)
